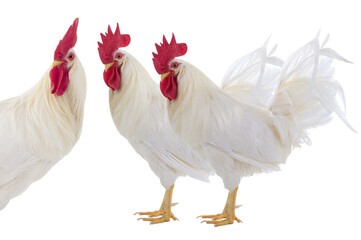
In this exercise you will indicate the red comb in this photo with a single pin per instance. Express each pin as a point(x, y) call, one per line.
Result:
point(67, 42)
point(166, 52)
point(111, 43)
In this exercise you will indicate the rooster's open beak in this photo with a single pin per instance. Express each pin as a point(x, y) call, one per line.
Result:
point(107, 66)
point(164, 75)
point(56, 63)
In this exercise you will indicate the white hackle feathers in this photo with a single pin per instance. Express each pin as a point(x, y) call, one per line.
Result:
point(37, 130)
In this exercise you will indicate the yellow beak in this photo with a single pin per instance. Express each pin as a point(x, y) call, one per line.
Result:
point(56, 63)
point(107, 66)
point(164, 75)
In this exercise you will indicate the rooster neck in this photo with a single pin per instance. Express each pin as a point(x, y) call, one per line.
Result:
point(75, 97)
point(193, 105)
point(137, 101)
point(50, 124)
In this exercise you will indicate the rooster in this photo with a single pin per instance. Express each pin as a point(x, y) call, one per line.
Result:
point(41, 126)
point(139, 112)
point(251, 124)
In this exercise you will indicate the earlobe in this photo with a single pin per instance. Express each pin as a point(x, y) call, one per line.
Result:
point(74, 66)
point(181, 73)
point(125, 61)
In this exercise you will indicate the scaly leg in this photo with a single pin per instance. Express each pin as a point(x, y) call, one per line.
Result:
point(164, 214)
point(228, 216)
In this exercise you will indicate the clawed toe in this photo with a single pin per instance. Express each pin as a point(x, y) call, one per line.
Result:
point(154, 217)
point(220, 219)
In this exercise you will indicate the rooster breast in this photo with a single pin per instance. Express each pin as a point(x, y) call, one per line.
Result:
point(20, 165)
point(139, 112)
point(149, 132)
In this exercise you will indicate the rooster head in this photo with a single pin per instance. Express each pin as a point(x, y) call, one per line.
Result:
point(167, 67)
point(111, 55)
point(64, 57)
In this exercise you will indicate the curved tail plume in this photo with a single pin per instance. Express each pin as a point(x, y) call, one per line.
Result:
point(308, 94)
point(253, 78)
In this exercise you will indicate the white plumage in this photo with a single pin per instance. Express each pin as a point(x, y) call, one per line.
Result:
point(139, 113)
point(255, 75)
point(37, 130)
point(261, 113)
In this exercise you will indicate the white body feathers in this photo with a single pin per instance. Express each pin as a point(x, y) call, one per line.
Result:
point(139, 113)
point(37, 129)
point(251, 126)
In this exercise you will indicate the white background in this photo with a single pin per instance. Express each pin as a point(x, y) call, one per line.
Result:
point(93, 192)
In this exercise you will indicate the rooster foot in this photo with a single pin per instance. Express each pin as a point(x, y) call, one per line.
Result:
point(220, 219)
point(157, 216)
point(228, 215)
point(164, 214)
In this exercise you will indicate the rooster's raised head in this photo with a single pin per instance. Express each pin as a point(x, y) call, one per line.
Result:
point(167, 67)
point(111, 55)
point(64, 57)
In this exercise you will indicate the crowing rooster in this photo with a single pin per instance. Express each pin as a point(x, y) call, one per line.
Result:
point(259, 115)
point(139, 113)
point(41, 126)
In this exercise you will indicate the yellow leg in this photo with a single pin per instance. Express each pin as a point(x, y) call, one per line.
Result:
point(228, 216)
point(164, 214)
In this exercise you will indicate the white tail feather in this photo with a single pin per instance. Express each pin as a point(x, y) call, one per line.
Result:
point(307, 93)
point(253, 78)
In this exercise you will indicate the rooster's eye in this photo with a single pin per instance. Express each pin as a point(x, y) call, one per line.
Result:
point(119, 56)
point(174, 65)
point(71, 57)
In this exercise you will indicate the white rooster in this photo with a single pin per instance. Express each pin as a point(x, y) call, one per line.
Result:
point(139, 113)
point(40, 127)
point(259, 115)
